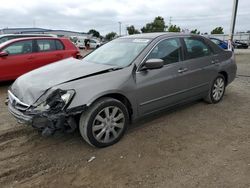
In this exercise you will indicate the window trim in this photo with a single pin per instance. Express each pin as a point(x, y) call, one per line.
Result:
point(61, 44)
point(145, 57)
point(32, 47)
point(185, 57)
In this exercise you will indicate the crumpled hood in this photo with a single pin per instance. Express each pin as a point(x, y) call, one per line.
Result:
point(30, 86)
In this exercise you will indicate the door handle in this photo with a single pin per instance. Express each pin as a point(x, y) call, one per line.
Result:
point(215, 61)
point(181, 70)
point(31, 57)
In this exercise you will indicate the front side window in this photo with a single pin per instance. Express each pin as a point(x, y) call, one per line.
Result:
point(196, 48)
point(21, 47)
point(168, 50)
point(46, 45)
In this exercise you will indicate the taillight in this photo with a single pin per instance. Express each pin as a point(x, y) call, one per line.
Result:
point(78, 55)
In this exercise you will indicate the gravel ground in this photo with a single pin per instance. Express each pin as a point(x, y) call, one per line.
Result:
point(197, 145)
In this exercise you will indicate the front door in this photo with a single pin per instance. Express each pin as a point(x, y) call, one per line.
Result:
point(18, 61)
point(160, 88)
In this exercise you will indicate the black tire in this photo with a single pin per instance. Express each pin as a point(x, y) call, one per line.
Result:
point(210, 97)
point(87, 121)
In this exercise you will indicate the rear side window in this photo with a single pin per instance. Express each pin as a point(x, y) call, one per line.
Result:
point(196, 48)
point(21, 47)
point(46, 45)
point(59, 45)
point(168, 50)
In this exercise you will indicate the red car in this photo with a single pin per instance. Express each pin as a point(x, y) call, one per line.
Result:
point(22, 55)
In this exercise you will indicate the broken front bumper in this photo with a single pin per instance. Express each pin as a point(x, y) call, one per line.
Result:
point(47, 122)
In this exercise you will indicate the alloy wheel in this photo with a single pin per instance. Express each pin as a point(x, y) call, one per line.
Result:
point(218, 89)
point(108, 124)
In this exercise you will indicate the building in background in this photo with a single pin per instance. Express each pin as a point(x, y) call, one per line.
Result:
point(59, 33)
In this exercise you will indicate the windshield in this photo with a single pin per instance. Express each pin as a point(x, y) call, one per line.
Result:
point(119, 52)
point(4, 39)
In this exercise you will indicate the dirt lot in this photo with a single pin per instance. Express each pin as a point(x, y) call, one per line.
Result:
point(198, 145)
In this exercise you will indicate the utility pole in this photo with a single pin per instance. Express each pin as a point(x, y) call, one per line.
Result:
point(170, 21)
point(120, 28)
point(233, 19)
point(34, 23)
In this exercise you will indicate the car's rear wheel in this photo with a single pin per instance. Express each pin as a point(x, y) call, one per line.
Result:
point(104, 123)
point(217, 90)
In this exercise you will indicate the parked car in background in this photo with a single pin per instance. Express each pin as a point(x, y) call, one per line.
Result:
point(240, 45)
point(123, 80)
point(93, 43)
point(220, 43)
point(18, 56)
point(80, 43)
point(6, 37)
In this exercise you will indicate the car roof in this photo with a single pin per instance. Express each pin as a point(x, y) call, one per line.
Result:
point(27, 34)
point(155, 35)
point(25, 38)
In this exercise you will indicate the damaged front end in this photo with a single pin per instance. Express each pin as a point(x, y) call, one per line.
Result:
point(48, 114)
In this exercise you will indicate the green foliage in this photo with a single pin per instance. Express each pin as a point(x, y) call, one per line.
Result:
point(195, 31)
point(131, 30)
point(174, 28)
point(111, 36)
point(217, 30)
point(94, 33)
point(158, 25)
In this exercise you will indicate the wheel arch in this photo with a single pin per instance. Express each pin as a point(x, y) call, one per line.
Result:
point(224, 73)
point(120, 97)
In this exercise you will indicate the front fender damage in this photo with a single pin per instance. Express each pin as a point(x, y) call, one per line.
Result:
point(49, 122)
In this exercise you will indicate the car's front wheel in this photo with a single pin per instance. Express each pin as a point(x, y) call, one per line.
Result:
point(217, 90)
point(104, 123)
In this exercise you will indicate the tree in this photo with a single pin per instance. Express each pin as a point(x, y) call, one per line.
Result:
point(174, 28)
point(195, 31)
point(217, 30)
point(131, 30)
point(158, 25)
point(94, 33)
point(111, 35)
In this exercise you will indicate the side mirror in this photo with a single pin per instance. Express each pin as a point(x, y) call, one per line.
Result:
point(3, 54)
point(153, 64)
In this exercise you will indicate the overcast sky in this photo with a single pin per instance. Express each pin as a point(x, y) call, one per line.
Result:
point(104, 15)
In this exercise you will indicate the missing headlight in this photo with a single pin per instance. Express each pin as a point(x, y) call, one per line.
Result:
point(56, 101)
point(59, 99)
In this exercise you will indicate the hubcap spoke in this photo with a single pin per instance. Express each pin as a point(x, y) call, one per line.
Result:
point(120, 116)
point(99, 118)
point(107, 136)
point(100, 134)
point(98, 127)
point(114, 132)
point(115, 110)
point(106, 110)
point(119, 125)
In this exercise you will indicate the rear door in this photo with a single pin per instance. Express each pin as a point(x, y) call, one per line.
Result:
point(19, 60)
point(200, 64)
point(46, 52)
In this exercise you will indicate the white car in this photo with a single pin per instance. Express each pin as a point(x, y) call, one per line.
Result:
point(93, 43)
